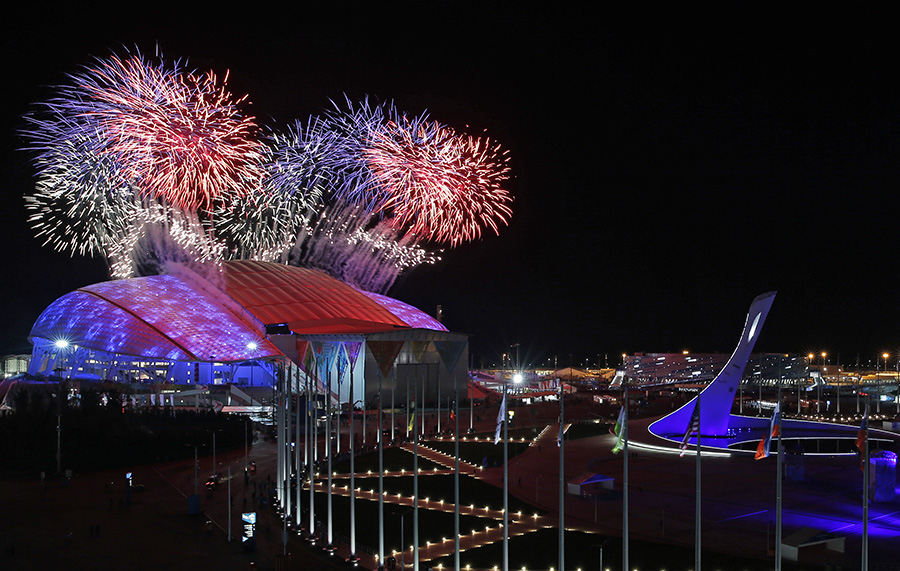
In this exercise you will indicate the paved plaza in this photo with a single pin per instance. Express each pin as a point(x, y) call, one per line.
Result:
point(87, 522)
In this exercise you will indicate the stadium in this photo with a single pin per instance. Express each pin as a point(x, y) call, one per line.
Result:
point(182, 339)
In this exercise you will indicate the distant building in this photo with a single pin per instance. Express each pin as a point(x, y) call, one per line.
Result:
point(14, 365)
point(653, 368)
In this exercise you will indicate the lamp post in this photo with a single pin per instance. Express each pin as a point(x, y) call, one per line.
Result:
point(251, 346)
point(61, 345)
point(517, 378)
point(59, 371)
point(821, 379)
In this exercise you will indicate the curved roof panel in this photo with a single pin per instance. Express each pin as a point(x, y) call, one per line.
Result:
point(183, 316)
point(308, 301)
point(165, 317)
point(415, 318)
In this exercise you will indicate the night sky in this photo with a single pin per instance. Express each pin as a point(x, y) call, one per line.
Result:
point(667, 166)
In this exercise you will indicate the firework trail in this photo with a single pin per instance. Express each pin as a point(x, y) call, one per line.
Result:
point(157, 237)
point(350, 244)
point(264, 225)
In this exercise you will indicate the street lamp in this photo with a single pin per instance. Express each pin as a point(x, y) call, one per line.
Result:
point(59, 371)
point(251, 346)
point(517, 378)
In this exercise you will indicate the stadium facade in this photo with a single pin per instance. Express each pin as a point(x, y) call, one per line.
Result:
point(249, 325)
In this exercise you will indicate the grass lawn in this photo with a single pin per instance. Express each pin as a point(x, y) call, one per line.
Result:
point(481, 453)
point(437, 488)
point(395, 459)
point(540, 551)
point(586, 430)
point(433, 525)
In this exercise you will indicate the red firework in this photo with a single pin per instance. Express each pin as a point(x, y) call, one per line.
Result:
point(178, 137)
point(442, 185)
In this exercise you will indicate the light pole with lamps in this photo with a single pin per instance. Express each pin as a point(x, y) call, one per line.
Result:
point(517, 378)
point(59, 371)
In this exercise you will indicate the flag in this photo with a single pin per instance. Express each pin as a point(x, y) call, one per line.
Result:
point(861, 438)
point(412, 416)
point(559, 435)
point(861, 435)
point(501, 416)
point(620, 432)
point(693, 426)
point(762, 451)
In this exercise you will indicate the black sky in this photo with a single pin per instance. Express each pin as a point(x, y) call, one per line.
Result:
point(668, 166)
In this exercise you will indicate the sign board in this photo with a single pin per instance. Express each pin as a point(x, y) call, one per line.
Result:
point(248, 532)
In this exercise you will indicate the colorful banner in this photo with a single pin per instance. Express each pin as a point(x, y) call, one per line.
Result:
point(418, 349)
point(385, 352)
point(501, 416)
point(762, 451)
point(693, 426)
point(450, 352)
point(620, 431)
point(342, 363)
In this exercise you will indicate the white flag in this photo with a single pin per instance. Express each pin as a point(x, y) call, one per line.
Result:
point(501, 416)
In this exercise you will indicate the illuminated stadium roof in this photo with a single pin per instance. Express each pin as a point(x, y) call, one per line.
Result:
point(183, 317)
point(308, 301)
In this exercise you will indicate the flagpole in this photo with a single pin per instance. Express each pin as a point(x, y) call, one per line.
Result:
point(306, 428)
point(279, 450)
point(456, 478)
point(697, 520)
point(470, 386)
point(380, 480)
point(312, 406)
point(329, 449)
point(408, 423)
point(314, 420)
point(562, 476)
point(778, 488)
point(505, 416)
point(865, 499)
point(286, 433)
point(353, 558)
point(393, 387)
point(298, 516)
point(416, 480)
point(625, 564)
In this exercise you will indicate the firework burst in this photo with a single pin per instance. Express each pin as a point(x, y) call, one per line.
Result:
point(125, 135)
point(441, 185)
point(345, 135)
point(145, 163)
point(264, 225)
point(176, 136)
